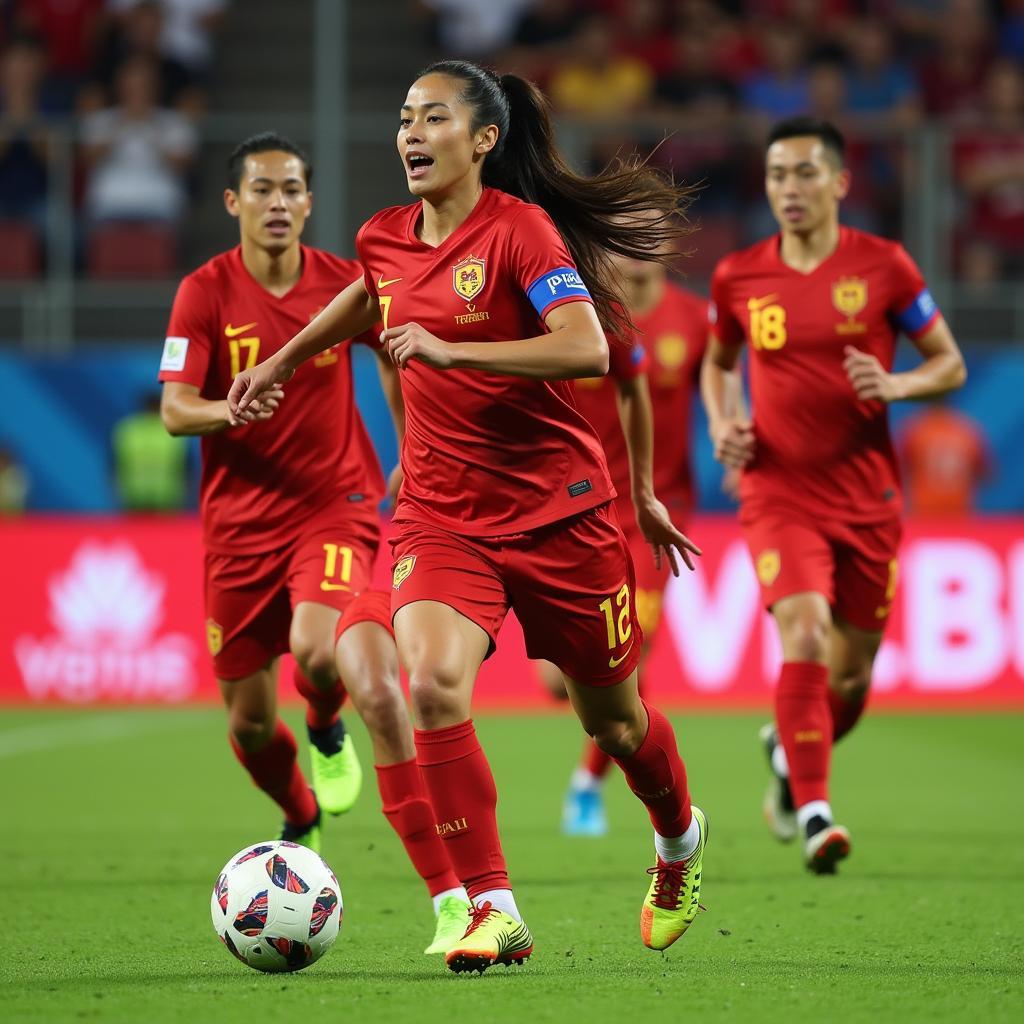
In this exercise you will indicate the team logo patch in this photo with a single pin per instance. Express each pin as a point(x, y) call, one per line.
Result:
point(468, 277)
point(768, 565)
point(403, 570)
point(214, 638)
point(850, 295)
point(670, 351)
point(175, 350)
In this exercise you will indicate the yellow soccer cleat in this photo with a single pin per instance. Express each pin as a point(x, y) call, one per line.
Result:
point(453, 917)
point(493, 937)
point(674, 896)
point(337, 778)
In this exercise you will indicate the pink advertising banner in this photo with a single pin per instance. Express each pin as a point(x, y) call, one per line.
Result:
point(110, 611)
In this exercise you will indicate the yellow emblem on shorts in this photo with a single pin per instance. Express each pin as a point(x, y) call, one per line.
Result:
point(403, 570)
point(214, 637)
point(468, 277)
point(768, 565)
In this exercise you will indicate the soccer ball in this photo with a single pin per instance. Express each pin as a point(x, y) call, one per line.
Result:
point(276, 906)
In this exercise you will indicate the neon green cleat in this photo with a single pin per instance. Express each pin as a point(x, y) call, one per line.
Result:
point(337, 779)
point(304, 835)
point(674, 896)
point(452, 921)
point(493, 937)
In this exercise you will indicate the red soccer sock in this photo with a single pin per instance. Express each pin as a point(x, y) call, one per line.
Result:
point(322, 706)
point(805, 728)
point(656, 775)
point(595, 760)
point(275, 769)
point(845, 713)
point(461, 789)
point(404, 801)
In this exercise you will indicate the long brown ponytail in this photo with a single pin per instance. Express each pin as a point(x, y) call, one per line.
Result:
point(630, 208)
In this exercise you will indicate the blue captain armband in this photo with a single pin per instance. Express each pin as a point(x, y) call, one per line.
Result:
point(918, 313)
point(556, 285)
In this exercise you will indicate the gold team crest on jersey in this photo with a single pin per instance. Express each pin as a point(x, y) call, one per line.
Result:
point(768, 565)
point(403, 570)
point(468, 277)
point(850, 296)
point(214, 638)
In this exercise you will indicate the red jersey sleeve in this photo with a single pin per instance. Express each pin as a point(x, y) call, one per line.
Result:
point(911, 305)
point(190, 336)
point(627, 357)
point(539, 261)
point(722, 324)
point(370, 338)
point(371, 288)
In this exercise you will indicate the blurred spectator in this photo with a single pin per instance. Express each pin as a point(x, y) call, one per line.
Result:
point(150, 466)
point(641, 31)
point(70, 30)
point(23, 142)
point(951, 80)
point(1011, 31)
point(541, 34)
point(13, 484)
point(595, 81)
point(692, 82)
point(989, 162)
point(138, 31)
point(878, 85)
point(779, 88)
point(187, 30)
point(945, 459)
point(136, 152)
point(473, 28)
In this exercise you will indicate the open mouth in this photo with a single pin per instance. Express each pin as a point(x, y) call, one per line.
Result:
point(418, 164)
point(278, 226)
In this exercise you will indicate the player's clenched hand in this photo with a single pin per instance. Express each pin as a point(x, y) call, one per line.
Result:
point(659, 531)
point(250, 386)
point(734, 442)
point(869, 378)
point(410, 341)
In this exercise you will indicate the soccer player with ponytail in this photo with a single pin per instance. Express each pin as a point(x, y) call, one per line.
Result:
point(493, 287)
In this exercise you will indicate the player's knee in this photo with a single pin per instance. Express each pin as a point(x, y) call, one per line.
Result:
point(805, 638)
point(316, 661)
point(618, 738)
point(381, 706)
point(435, 697)
point(251, 731)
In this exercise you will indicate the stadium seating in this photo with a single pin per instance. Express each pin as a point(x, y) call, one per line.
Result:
point(20, 251)
point(126, 249)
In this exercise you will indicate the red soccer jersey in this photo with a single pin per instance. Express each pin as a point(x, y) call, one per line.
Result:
point(818, 446)
point(674, 333)
point(485, 454)
point(261, 481)
point(597, 398)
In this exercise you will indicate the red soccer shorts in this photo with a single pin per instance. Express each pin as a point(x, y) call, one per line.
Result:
point(853, 565)
point(249, 598)
point(650, 580)
point(369, 606)
point(570, 583)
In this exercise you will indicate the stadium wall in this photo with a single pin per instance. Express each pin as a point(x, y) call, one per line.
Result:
point(59, 413)
point(108, 610)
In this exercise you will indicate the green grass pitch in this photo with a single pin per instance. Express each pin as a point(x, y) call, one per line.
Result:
point(115, 824)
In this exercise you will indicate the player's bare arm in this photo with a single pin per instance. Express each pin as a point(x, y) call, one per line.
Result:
point(574, 347)
point(392, 388)
point(186, 413)
point(351, 312)
point(651, 514)
point(943, 370)
point(729, 425)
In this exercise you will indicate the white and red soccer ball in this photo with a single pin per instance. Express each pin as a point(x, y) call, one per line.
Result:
point(276, 906)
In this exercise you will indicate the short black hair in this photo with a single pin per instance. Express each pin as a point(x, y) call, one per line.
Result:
point(795, 127)
point(264, 142)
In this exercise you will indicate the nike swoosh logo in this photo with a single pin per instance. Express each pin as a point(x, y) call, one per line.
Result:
point(234, 332)
point(616, 662)
point(324, 585)
point(383, 284)
point(761, 303)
